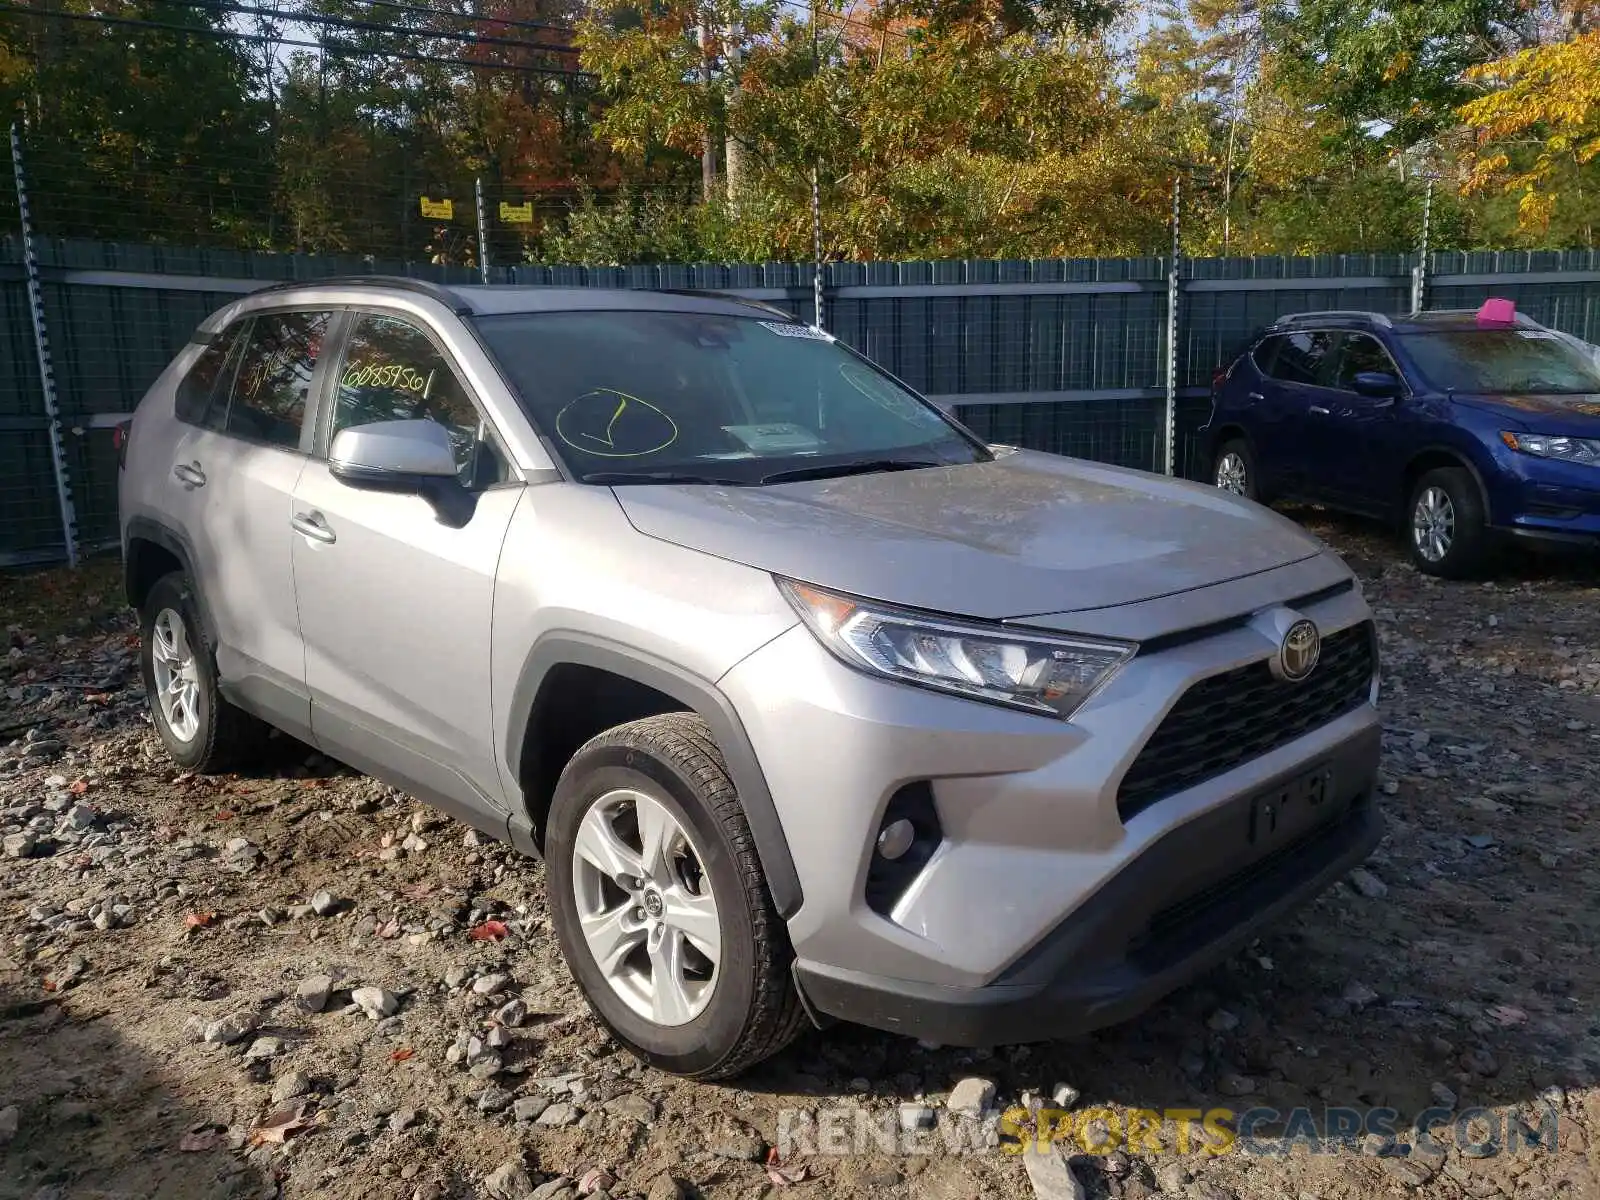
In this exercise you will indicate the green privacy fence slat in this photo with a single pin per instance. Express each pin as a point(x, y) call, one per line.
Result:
point(989, 328)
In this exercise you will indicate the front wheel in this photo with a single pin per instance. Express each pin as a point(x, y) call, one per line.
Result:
point(660, 904)
point(1447, 530)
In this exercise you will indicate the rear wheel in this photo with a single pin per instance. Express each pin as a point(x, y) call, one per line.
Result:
point(1446, 524)
point(1234, 469)
point(199, 728)
point(660, 904)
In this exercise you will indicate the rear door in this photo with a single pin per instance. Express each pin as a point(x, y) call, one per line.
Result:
point(233, 474)
point(1294, 367)
point(395, 606)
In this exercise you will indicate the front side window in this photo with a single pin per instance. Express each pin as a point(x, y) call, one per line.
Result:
point(392, 371)
point(272, 384)
point(1493, 361)
point(1362, 353)
point(686, 397)
point(1300, 357)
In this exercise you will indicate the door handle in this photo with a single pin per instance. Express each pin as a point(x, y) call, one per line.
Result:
point(1318, 409)
point(189, 474)
point(1256, 396)
point(314, 527)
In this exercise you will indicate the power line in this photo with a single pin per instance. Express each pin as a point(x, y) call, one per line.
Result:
point(235, 35)
point(305, 18)
point(427, 10)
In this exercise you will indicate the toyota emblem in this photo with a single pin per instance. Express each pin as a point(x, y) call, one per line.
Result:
point(1299, 651)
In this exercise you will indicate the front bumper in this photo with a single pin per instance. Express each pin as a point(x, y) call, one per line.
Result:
point(1545, 500)
point(1029, 808)
point(1188, 902)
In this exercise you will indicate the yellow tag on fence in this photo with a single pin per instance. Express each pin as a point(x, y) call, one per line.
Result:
point(517, 214)
point(438, 210)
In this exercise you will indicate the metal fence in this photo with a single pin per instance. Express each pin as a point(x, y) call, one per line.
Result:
point(1067, 356)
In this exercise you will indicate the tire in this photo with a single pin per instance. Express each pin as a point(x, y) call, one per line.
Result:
point(748, 1007)
point(203, 732)
point(1446, 524)
point(1235, 458)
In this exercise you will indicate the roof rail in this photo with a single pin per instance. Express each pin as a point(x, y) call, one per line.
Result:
point(712, 294)
point(424, 287)
point(1324, 314)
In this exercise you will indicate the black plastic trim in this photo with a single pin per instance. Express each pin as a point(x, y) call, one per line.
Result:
point(700, 695)
point(174, 543)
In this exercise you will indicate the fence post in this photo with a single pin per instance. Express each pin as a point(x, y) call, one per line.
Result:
point(483, 232)
point(41, 343)
point(1169, 454)
point(1419, 273)
point(816, 246)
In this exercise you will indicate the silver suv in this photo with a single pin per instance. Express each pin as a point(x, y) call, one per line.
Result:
point(815, 705)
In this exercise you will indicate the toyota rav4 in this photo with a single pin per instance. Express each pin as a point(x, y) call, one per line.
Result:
point(815, 705)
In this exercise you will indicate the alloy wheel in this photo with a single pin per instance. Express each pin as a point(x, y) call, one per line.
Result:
point(1433, 524)
point(1231, 475)
point(177, 675)
point(645, 907)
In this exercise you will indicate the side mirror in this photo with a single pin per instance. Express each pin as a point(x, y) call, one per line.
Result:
point(412, 458)
point(1378, 385)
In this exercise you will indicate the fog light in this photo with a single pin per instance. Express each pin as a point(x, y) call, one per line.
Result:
point(896, 839)
point(908, 835)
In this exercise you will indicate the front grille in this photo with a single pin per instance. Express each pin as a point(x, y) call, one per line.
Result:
point(1241, 714)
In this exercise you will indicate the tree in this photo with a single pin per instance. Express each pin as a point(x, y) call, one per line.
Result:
point(1539, 134)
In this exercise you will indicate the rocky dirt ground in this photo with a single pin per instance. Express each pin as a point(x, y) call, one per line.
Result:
point(298, 982)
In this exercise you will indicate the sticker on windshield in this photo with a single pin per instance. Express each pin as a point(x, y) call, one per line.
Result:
point(1537, 333)
point(792, 329)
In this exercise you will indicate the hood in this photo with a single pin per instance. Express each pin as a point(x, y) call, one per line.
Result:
point(1575, 416)
point(1023, 535)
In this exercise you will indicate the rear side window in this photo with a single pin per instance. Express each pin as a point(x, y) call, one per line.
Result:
point(272, 384)
point(1298, 357)
point(209, 377)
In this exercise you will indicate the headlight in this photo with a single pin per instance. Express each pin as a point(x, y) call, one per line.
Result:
point(1039, 673)
point(1549, 445)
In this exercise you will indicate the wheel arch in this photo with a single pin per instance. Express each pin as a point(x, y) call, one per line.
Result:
point(534, 700)
point(1433, 457)
point(152, 550)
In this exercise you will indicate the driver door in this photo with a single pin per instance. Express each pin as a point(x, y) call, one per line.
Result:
point(395, 606)
point(1358, 433)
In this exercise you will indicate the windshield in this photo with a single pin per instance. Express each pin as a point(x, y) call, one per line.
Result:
point(646, 397)
point(1528, 361)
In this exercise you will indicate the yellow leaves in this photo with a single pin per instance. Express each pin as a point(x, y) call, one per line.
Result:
point(1551, 93)
point(1398, 66)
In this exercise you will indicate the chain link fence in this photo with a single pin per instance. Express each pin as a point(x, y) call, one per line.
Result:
point(1069, 356)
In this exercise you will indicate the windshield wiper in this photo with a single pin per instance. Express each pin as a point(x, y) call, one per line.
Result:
point(862, 467)
point(624, 477)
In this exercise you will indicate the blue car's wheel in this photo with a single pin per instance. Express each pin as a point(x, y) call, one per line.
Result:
point(1446, 526)
point(1234, 469)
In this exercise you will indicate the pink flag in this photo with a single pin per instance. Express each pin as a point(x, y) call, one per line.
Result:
point(1498, 312)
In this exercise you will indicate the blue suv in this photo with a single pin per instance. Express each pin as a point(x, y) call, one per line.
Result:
point(1458, 426)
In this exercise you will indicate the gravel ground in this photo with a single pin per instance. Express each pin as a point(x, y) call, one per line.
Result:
point(298, 982)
